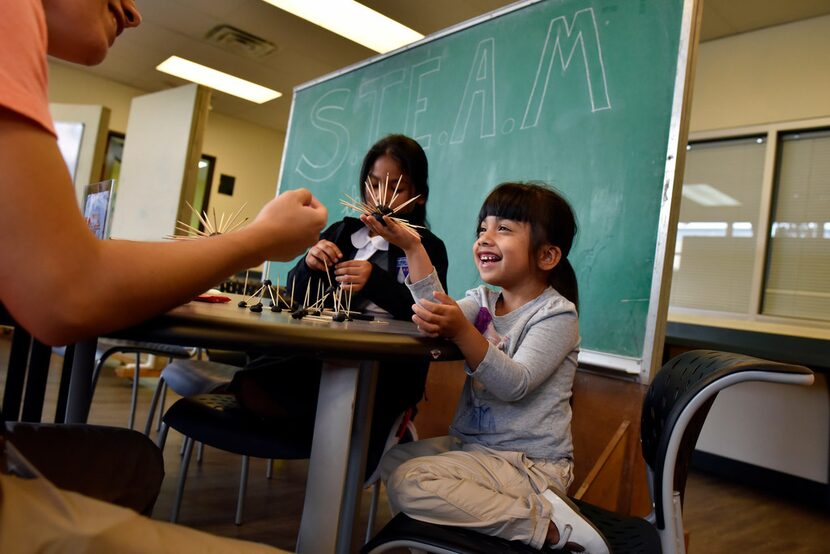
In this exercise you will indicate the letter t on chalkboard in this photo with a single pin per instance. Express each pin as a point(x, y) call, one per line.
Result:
point(226, 183)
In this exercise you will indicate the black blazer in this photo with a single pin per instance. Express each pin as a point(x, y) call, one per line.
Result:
point(382, 288)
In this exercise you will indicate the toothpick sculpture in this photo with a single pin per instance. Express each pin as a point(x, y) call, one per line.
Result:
point(381, 204)
point(218, 226)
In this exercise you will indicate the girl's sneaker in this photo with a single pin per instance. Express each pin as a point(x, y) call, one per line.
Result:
point(573, 528)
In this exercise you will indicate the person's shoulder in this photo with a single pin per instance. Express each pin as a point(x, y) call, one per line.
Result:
point(484, 295)
point(551, 303)
point(344, 227)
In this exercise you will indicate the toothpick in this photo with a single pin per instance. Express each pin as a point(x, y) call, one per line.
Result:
point(238, 224)
point(255, 293)
point(192, 209)
point(279, 296)
point(414, 198)
point(245, 286)
point(209, 227)
point(190, 227)
point(235, 214)
point(271, 293)
point(406, 223)
point(395, 194)
point(371, 192)
point(293, 284)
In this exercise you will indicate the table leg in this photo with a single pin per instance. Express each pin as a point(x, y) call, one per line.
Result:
point(80, 384)
point(338, 458)
point(16, 374)
point(36, 378)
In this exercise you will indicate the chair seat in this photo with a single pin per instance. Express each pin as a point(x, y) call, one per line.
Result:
point(192, 377)
point(218, 420)
point(110, 346)
point(403, 529)
point(626, 535)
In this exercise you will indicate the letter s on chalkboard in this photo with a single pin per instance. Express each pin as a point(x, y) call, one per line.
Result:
point(335, 138)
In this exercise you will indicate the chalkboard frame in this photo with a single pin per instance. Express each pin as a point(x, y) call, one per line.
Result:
point(649, 362)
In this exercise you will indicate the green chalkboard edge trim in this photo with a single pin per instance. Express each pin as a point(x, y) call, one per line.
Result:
point(658, 308)
point(429, 38)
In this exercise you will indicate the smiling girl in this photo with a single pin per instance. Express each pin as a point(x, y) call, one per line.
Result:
point(508, 461)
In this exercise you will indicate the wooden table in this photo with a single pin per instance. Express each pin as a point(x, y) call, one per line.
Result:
point(350, 352)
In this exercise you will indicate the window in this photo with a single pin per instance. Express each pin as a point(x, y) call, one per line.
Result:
point(753, 234)
point(798, 274)
point(719, 212)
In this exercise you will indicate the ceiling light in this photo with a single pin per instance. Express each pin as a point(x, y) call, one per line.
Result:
point(214, 79)
point(354, 21)
point(707, 195)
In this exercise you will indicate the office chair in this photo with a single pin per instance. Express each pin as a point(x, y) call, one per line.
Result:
point(673, 414)
point(187, 377)
point(171, 352)
point(218, 420)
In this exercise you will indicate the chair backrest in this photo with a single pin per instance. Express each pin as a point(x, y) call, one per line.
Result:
point(676, 406)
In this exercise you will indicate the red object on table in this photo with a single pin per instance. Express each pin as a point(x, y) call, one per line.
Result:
point(213, 298)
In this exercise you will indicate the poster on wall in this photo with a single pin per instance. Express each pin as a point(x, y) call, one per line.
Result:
point(98, 201)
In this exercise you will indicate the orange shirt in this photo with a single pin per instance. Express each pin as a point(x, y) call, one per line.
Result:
point(23, 70)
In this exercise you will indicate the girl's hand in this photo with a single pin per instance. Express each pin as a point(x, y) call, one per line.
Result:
point(394, 232)
point(353, 274)
point(322, 254)
point(439, 319)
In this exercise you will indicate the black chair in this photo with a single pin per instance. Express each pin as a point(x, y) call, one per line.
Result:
point(674, 411)
point(112, 346)
point(188, 377)
point(218, 420)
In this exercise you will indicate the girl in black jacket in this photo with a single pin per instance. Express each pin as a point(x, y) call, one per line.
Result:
point(373, 271)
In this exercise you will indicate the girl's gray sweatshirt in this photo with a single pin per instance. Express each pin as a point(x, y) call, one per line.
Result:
point(518, 397)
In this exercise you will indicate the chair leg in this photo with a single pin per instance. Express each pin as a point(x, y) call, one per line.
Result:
point(153, 403)
point(134, 400)
point(243, 483)
point(269, 469)
point(373, 509)
point(177, 503)
point(161, 408)
point(162, 436)
point(200, 451)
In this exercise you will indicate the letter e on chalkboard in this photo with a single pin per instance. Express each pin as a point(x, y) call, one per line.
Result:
point(226, 183)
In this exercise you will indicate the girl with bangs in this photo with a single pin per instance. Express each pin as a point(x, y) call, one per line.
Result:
point(507, 462)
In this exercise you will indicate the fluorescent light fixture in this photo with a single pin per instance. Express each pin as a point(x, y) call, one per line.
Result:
point(707, 195)
point(352, 20)
point(214, 79)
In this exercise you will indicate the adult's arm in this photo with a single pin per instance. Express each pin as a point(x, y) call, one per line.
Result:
point(62, 284)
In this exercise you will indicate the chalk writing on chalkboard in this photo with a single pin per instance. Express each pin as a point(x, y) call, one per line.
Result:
point(579, 94)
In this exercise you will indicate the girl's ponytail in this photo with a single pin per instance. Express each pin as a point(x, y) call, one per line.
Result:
point(563, 279)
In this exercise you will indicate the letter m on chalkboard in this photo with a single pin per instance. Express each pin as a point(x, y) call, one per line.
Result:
point(562, 42)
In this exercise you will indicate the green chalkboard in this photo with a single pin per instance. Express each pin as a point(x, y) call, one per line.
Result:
point(579, 94)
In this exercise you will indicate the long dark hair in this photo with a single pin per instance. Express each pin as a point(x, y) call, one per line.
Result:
point(551, 221)
point(413, 161)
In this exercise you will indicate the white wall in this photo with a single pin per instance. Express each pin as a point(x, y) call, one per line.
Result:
point(249, 152)
point(776, 74)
